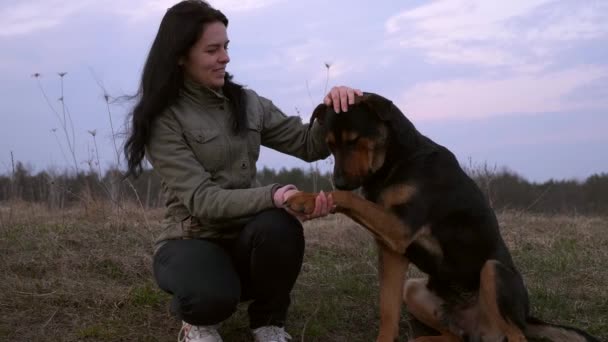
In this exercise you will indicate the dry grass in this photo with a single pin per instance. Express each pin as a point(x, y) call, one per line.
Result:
point(80, 275)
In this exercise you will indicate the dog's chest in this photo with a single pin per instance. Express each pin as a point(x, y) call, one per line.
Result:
point(425, 251)
point(394, 195)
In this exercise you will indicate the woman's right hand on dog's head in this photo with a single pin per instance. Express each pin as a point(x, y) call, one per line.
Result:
point(341, 97)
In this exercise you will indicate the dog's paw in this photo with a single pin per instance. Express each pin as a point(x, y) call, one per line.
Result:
point(301, 202)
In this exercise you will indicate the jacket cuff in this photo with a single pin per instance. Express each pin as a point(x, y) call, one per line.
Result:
point(280, 192)
point(274, 189)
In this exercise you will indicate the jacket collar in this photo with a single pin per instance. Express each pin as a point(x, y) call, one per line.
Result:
point(201, 94)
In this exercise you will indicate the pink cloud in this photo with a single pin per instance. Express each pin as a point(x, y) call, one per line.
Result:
point(522, 93)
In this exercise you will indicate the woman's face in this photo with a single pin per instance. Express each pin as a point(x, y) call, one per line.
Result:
point(207, 59)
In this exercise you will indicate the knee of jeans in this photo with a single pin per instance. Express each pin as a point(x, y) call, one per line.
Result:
point(207, 308)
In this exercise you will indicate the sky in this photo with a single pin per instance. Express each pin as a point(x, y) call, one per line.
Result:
point(519, 84)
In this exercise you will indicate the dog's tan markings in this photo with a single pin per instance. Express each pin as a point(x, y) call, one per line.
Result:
point(357, 161)
point(353, 164)
point(488, 303)
point(330, 138)
point(368, 147)
point(401, 194)
point(348, 136)
point(442, 338)
point(392, 269)
point(397, 194)
point(378, 153)
point(427, 240)
point(377, 158)
point(427, 308)
point(386, 226)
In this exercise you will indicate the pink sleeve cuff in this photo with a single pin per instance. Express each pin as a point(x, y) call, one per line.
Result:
point(279, 194)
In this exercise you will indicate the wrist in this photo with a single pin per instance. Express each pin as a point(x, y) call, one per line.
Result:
point(278, 196)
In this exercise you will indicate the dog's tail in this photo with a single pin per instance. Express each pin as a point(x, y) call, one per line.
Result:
point(535, 328)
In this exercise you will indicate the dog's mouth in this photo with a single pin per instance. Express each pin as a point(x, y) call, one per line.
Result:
point(343, 184)
point(347, 187)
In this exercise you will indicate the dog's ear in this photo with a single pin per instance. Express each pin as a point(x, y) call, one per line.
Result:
point(318, 114)
point(379, 105)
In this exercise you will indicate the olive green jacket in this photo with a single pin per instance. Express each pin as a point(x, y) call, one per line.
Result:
point(208, 173)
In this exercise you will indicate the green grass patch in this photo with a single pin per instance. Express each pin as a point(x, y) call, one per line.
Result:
point(65, 279)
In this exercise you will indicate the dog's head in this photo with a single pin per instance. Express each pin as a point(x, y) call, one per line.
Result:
point(357, 139)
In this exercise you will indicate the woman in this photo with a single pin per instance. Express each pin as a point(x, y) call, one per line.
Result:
point(225, 238)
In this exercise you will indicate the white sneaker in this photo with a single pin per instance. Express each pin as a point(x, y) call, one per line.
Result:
point(270, 333)
point(198, 333)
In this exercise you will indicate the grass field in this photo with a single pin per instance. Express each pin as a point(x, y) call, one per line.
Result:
point(76, 275)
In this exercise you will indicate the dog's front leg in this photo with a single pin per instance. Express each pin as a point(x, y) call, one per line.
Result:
point(392, 268)
point(386, 226)
point(380, 221)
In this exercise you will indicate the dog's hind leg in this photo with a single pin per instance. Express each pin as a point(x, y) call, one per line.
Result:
point(502, 302)
point(392, 269)
point(426, 307)
point(442, 338)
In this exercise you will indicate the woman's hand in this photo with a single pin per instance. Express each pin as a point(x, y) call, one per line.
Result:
point(324, 204)
point(341, 97)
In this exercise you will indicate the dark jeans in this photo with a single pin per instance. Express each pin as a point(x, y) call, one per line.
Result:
point(208, 278)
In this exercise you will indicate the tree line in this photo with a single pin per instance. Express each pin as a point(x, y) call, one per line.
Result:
point(505, 189)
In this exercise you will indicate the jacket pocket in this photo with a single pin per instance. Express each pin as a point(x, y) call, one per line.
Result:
point(208, 147)
point(254, 136)
point(254, 141)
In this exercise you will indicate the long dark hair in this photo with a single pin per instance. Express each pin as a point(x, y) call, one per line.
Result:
point(162, 77)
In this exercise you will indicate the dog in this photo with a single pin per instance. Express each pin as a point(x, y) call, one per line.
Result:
point(421, 207)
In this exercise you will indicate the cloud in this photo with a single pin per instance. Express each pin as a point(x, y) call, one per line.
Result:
point(30, 16)
point(516, 46)
point(243, 5)
point(522, 34)
point(519, 93)
point(143, 9)
point(302, 61)
point(300, 53)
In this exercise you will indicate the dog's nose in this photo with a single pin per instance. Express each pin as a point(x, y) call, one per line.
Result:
point(339, 182)
point(343, 183)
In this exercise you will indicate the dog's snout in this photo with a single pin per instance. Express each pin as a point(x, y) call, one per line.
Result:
point(339, 182)
point(342, 183)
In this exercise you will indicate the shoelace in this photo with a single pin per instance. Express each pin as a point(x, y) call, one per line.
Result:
point(199, 332)
point(183, 332)
point(273, 333)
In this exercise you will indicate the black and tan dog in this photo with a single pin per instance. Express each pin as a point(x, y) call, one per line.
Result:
point(422, 208)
